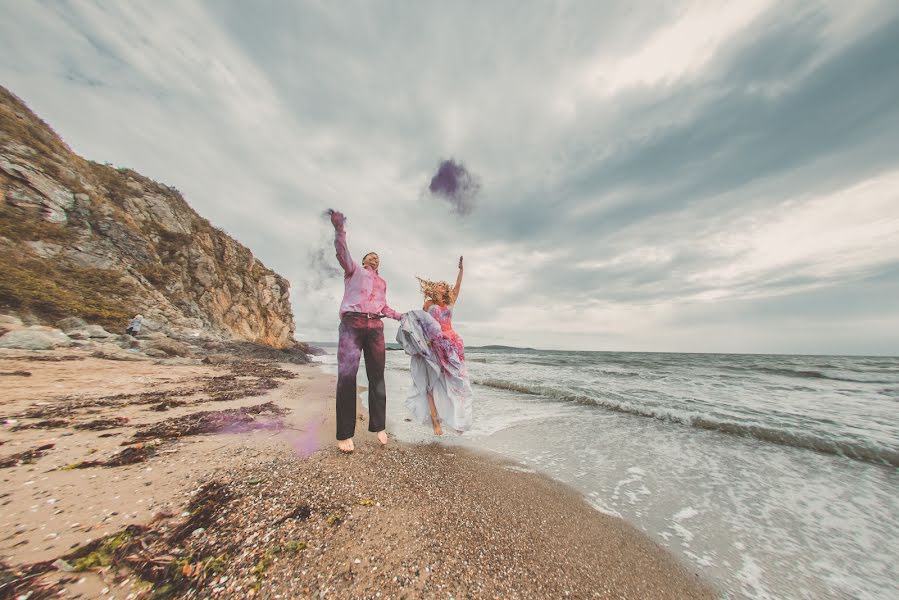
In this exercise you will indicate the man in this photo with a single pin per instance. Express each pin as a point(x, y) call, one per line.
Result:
point(361, 331)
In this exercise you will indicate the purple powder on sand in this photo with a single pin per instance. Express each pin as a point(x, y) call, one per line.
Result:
point(454, 184)
point(307, 443)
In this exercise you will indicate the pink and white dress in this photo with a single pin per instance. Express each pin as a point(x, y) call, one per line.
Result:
point(438, 366)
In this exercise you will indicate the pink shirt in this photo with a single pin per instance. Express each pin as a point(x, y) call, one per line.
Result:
point(363, 289)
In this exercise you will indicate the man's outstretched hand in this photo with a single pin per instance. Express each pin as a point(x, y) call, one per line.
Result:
point(337, 219)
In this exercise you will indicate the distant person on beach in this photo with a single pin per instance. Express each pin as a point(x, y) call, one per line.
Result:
point(361, 332)
point(441, 391)
point(134, 325)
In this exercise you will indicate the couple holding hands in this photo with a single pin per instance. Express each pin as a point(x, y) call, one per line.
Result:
point(441, 392)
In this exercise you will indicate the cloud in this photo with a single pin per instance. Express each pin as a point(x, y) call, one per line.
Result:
point(644, 164)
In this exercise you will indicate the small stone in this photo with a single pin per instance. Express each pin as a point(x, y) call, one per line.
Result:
point(63, 565)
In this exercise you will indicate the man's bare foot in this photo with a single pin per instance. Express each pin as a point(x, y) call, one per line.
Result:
point(345, 446)
point(382, 437)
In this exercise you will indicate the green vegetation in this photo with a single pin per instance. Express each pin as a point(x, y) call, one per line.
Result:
point(19, 226)
point(54, 290)
point(158, 274)
point(104, 554)
point(18, 123)
point(216, 564)
point(171, 243)
point(112, 181)
point(261, 567)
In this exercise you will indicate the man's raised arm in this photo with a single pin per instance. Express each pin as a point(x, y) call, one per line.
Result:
point(343, 253)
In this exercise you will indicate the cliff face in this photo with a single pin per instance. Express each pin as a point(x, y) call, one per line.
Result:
point(82, 239)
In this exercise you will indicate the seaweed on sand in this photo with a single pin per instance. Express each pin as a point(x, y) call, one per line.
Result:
point(151, 554)
point(202, 509)
point(129, 456)
point(100, 424)
point(232, 420)
point(45, 424)
point(26, 457)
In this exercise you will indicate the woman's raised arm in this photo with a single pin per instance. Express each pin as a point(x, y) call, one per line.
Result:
point(458, 287)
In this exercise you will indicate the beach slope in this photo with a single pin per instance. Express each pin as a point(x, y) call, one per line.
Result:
point(233, 488)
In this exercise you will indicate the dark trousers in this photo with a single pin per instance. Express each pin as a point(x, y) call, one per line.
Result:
point(358, 336)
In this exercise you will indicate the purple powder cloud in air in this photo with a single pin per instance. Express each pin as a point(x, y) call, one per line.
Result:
point(456, 185)
point(322, 260)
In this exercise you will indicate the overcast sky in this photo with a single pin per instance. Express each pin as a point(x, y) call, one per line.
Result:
point(670, 176)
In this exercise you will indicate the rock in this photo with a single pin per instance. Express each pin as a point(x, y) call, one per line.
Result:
point(34, 339)
point(10, 320)
point(169, 346)
point(95, 331)
point(158, 210)
point(160, 258)
point(155, 353)
point(52, 199)
point(30, 320)
point(313, 350)
point(78, 334)
point(63, 565)
point(216, 359)
point(127, 342)
point(71, 323)
point(20, 149)
point(110, 352)
point(44, 249)
point(9, 323)
point(179, 362)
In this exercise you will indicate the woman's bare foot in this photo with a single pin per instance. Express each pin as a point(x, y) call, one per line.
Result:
point(345, 446)
point(438, 430)
point(382, 437)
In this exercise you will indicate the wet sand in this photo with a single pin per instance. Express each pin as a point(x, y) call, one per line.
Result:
point(267, 507)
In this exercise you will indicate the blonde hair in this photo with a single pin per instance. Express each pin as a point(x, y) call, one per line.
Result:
point(429, 289)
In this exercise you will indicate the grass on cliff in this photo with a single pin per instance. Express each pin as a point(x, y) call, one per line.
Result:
point(53, 290)
point(19, 124)
point(18, 225)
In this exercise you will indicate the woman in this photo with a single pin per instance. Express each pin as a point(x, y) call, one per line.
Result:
point(134, 325)
point(441, 391)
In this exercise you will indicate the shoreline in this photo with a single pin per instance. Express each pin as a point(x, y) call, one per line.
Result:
point(280, 510)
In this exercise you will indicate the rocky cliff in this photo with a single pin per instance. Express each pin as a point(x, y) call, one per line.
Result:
point(81, 239)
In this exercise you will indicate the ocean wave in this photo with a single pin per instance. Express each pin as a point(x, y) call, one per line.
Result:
point(623, 374)
point(849, 449)
point(806, 374)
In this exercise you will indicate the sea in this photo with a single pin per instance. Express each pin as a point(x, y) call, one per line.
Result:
point(771, 476)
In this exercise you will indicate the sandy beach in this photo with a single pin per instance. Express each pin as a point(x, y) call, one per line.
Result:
point(154, 479)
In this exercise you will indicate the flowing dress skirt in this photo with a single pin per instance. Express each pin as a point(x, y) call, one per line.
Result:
point(437, 367)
